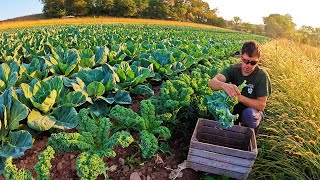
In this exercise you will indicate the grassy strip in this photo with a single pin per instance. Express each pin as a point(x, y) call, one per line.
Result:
point(289, 143)
point(92, 20)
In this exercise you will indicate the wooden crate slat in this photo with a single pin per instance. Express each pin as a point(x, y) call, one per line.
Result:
point(223, 150)
point(212, 170)
point(246, 144)
point(221, 157)
point(229, 142)
point(230, 151)
point(223, 133)
point(234, 128)
point(220, 144)
point(218, 164)
point(253, 143)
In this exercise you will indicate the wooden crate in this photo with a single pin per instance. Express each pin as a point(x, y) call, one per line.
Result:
point(230, 151)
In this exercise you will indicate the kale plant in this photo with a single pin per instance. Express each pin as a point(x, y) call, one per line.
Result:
point(221, 105)
point(93, 140)
point(147, 125)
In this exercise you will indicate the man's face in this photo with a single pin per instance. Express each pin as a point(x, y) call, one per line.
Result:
point(248, 63)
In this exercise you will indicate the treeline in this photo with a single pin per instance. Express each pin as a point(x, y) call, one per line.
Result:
point(279, 26)
point(178, 10)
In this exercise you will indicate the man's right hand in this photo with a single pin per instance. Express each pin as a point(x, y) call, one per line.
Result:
point(231, 89)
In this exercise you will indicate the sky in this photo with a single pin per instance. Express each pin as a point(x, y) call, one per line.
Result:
point(304, 12)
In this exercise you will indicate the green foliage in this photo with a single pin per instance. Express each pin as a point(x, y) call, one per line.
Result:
point(148, 144)
point(93, 140)
point(89, 166)
point(70, 142)
point(35, 69)
point(221, 105)
point(43, 166)
point(63, 62)
point(43, 94)
point(194, 11)
point(147, 125)
point(12, 111)
point(8, 75)
point(277, 26)
point(11, 172)
point(173, 95)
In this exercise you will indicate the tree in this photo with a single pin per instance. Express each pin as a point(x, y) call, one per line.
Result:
point(158, 9)
point(277, 25)
point(141, 6)
point(100, 7)
point(54, 8)
point(80, 7)
point(178, 10)
point(237, 20)
point(219, 21)
point(126, 8)
point(309, 35)
point(247, 27)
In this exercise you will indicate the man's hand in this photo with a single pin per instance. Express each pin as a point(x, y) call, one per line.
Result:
point(231, 89)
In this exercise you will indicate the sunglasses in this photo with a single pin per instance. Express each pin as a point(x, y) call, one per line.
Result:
point(246, 61)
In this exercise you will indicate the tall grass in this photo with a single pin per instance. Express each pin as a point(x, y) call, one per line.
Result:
point(289, 142)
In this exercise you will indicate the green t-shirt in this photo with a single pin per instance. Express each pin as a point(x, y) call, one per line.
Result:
point(258, 83)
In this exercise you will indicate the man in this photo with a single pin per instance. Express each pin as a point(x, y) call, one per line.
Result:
point(253, 98)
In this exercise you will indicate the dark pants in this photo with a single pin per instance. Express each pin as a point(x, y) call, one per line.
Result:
point(252, 118)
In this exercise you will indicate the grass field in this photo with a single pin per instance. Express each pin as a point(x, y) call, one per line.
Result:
point(289, 145)
point(101, 20)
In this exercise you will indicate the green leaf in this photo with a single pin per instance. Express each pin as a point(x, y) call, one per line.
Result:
point(95, 89)
point(101, 55)
point(165, 148)
point(18, 112)
point(142, 89)
point(66, 117)
point(47, 104)
point(122, 97)
point(87, 58)
point(40, 122)
point(74, 98)
point(18, 142)
point(100, 108)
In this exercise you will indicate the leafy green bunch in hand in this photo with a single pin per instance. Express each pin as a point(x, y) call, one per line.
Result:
point(221, 105)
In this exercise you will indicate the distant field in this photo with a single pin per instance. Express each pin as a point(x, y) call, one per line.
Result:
point(29, 21)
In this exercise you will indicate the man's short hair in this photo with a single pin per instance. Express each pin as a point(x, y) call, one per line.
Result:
point(251, 48)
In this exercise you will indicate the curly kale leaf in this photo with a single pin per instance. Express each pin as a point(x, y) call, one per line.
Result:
point(126, 117)
point(43, 167)
point(162, 131)
point(148, 144)
point(147, 110)
point(71, 142)
point(173, 95)
point(86, 124)
point(221, 105)
point(11, 171)
point(147, 124)
point(89, 166)
point(122, 138)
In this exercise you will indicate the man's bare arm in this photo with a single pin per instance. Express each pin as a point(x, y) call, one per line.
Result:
point(258, 104)
point(218, 83)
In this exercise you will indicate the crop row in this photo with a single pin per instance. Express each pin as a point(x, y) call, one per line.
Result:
point(64, 77)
